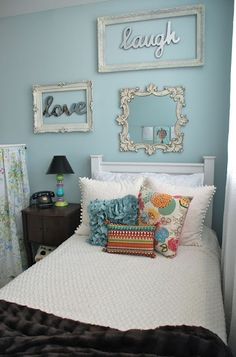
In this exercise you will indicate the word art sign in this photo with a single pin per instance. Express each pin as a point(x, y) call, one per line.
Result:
point(57, 110)
point(63, 107)
point(158, 39)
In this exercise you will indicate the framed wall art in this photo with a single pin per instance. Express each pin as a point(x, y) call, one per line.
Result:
point(156, 39)
point(63, 107)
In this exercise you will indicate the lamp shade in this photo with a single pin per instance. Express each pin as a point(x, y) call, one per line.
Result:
point(60, 165)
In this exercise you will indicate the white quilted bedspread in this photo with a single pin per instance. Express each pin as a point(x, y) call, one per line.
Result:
point(81, 282)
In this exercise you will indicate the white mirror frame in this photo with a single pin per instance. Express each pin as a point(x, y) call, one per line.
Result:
point(128, 94)
point(41, 127)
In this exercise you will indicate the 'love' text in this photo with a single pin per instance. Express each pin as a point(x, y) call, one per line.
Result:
point(57, 110)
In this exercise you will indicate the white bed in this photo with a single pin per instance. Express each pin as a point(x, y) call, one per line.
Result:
point(81, 282)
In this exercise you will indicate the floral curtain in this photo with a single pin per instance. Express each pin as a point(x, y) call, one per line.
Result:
point(14, 196)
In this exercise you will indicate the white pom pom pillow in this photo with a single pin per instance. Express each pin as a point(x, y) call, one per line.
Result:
point(192, 229)
point(103, 190)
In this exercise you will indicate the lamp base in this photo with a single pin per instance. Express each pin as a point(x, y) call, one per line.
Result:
point(61, 203)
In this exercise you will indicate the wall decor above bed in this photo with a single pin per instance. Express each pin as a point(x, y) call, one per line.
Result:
point(62, 107)
point(151, 119)
point(162, 38)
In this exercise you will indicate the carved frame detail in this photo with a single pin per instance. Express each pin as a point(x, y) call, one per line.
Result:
point(128, 94)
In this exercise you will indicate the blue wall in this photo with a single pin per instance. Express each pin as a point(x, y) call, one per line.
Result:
point(61, 45)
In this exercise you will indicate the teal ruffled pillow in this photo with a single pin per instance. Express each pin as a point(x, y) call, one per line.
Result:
point(119, 210)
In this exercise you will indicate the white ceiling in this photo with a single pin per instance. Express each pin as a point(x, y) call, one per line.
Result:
point(18, 7)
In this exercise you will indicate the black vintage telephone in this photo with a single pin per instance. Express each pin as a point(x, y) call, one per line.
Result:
point(43, 198)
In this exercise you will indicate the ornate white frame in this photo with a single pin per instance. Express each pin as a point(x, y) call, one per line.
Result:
point(128, 94)
point(103, 22)
point(41, 127)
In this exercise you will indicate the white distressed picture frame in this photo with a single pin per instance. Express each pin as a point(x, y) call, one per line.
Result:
point(41, 127)
point(103, 22)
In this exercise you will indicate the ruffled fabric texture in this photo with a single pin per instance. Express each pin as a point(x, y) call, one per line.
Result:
point(120, 210)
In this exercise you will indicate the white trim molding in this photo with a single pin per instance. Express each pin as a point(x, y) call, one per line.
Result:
point(20, 7)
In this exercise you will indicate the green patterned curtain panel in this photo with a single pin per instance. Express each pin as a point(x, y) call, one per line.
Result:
point(14, 196)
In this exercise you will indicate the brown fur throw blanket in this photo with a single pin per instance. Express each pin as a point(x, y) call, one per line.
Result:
point(30, 332)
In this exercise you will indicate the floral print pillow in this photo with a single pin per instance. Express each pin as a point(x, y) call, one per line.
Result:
point(167, 213)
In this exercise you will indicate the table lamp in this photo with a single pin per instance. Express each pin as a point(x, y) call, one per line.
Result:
point(60, 166)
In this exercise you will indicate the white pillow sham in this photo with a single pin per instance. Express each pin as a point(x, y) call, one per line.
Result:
point(192, 180)
point(103, 190)
point(192, 229)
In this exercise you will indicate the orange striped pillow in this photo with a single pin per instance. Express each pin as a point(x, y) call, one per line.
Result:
point(135, 240)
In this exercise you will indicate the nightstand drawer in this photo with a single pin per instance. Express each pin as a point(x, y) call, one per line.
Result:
point(47, 230)
point(55, 230)
point(34, 228)
point(49, 226)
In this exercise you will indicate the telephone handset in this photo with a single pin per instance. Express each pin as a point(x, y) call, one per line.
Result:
point(43, 198)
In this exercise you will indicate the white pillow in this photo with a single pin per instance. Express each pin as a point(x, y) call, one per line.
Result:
point(192, 180)
point(103, 190)
point(192, 230)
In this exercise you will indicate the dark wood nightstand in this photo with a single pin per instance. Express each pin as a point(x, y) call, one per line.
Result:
point(48, 226)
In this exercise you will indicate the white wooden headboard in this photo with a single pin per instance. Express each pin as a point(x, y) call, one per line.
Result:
point(207, 167)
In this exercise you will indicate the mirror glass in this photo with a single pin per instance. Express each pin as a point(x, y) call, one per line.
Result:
point(151, 119)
